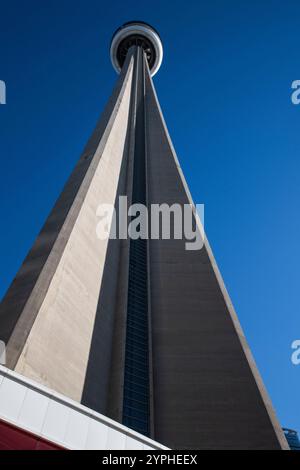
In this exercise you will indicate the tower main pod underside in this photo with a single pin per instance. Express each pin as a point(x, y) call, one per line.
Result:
point(144, 333)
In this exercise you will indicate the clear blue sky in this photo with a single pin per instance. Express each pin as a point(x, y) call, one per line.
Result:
point(224, 87)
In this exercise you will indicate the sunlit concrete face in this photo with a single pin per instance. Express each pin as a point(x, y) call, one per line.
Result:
point(64, 324)
point(70, 314)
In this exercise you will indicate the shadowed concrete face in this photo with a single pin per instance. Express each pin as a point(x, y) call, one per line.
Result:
point(207, 390)
point(69, 315)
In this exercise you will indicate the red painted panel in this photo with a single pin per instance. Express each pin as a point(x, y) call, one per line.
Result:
point(14, 438)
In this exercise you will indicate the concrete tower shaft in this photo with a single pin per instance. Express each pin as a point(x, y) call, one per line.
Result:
point(142, 331)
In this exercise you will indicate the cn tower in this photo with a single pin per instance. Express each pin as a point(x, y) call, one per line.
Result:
point(139, 333)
